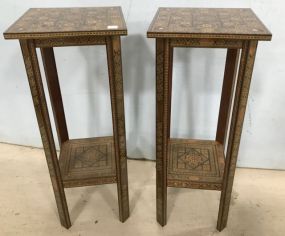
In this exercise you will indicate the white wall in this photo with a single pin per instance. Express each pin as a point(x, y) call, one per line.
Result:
point(197, 84)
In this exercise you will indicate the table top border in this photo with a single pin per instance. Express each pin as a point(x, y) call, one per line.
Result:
point(47, 35)
point(152, 34)
point(210, 36)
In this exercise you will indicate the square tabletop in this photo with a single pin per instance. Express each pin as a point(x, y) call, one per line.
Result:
point(68, 22)
point(233, 23)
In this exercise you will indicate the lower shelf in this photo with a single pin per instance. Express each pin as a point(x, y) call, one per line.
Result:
point(88, 161)
point(195, 164)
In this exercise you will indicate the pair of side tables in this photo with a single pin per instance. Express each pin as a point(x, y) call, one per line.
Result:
point(183, 163)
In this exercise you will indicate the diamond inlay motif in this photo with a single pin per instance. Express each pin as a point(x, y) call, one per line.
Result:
point(92, 157)
point(195, 162)
point(88, 158)
point(191, 158)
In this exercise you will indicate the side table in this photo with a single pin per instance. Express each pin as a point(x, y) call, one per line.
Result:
point(81, 162)
point(203, 164)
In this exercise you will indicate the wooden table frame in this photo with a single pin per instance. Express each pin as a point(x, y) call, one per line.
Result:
point(113, 47)
point(233, 104)
point(82, 162)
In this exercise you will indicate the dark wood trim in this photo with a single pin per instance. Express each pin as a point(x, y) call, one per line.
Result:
point(227, 91)
point(55, 94)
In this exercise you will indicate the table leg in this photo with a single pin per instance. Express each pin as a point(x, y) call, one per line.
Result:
point(55, 94)
point(163, 85)
point(239, 107)
point(227, 91)
point(170, 73)
point(118, 116)
point(36, 86)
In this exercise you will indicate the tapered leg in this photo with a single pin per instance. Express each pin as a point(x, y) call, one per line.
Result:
point(163, 63)
point(36, 86)
point(117, 102)
point(239, 107)
point(227, 90)
point(55, 94)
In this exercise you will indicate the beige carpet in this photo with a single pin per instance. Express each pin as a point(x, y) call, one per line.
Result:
point(27, 205)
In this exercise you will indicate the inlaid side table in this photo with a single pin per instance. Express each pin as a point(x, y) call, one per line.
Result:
point(81, 162)
point(203, 164)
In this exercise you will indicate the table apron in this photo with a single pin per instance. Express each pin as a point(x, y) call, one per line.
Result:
point(206, 43)
point(70, 41)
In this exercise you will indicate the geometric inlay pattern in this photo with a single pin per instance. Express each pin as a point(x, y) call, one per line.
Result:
point(196, 161)
point(95, 156)
point(192, 158)
point(88, 158)
point(49, 22)
point(213, 22)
